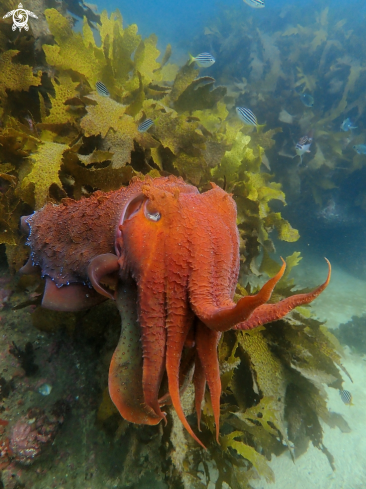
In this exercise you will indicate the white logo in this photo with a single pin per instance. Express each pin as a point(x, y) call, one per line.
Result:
point(20, 17)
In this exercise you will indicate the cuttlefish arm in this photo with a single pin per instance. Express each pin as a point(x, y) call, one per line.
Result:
point(125, 371)
point(267, 313)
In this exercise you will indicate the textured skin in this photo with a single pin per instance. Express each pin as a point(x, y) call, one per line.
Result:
point(65, 238)
point(181, 249)
point(125, 371)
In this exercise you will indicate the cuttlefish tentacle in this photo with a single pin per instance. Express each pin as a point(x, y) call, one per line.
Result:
point(125, 371)
point(179, 322)
point(225, 318)
point(267, 313)
point(207, 341)
point(153, 338)
point(186, 372)
point(199, 381)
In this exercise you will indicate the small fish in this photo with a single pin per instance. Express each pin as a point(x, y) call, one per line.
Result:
point(307, 99)
point(347, 125)
point(346, 397)
point(45, 389)
point(102, 89)
point(255, 3)
point(360, 149)
point(246, 116)
point(303, 146)
point(144, 126)
point(204, 60)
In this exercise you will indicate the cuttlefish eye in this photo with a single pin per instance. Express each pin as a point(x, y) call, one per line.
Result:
point(151, 212)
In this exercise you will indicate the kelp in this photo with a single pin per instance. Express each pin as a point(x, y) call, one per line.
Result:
point(312, 52)
point(272, 380)
point(73, 141)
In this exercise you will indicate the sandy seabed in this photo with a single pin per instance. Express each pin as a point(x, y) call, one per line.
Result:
point(345, 297)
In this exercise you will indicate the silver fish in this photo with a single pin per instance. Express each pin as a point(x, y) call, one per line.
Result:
point(144, 126)
point(303, 146)
point(307, 99)
point(255, 3)
point(246, 116)
point(203, 60)
point(102, 89)
point(360, 149)
point(346, 397)
point(347, 125)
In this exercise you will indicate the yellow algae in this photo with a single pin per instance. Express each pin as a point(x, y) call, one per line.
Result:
point(175, 133)
point(70, 52)
point(45, 167)
point(212, 118)
point(123, 46)
point(64, 89)
point(120, 144)
point(285, 231)
point(192, 168)
point(17, 139)
point(138, 100)
point(168, 73)
point(97, 156)
point(101, 117)
point(156, 156)
point(306, 81)
point(248, 452)
point(15, 76)
point(109, 28)
point(184, 78)
point(145, 58)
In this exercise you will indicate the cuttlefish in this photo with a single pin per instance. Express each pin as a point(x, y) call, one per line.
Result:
point(169, 256)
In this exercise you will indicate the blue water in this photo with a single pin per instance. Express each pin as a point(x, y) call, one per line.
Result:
point(182, 21)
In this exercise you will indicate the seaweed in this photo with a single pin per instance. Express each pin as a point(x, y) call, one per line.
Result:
point(353, 334)
point(74, 142)
point(313, 51)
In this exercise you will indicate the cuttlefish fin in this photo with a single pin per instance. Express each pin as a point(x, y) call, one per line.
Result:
point(69, 298)
point(29, 268)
